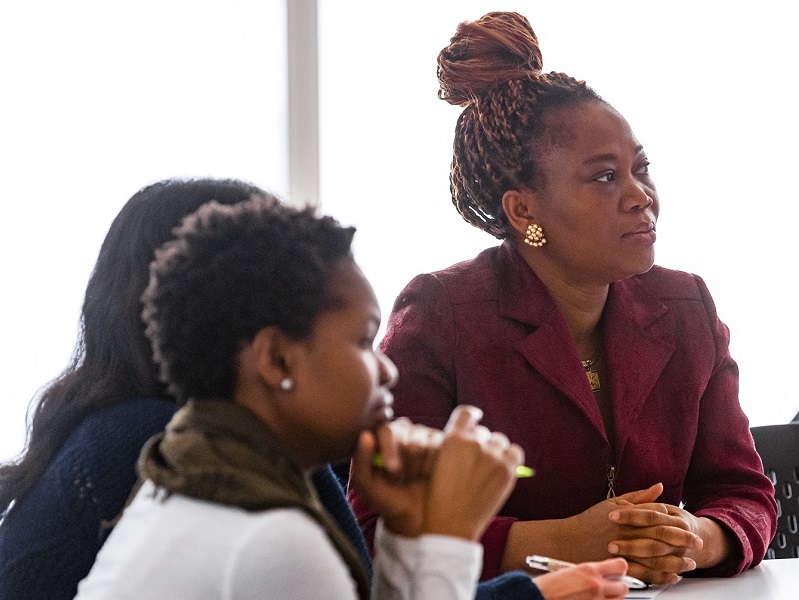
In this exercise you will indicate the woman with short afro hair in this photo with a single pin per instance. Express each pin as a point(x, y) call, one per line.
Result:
point(263, 328)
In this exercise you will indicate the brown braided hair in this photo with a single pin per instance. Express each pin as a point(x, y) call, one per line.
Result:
point(492, 67)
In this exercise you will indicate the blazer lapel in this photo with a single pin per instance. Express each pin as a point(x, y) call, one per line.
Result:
point(635, 352)
point(549, 348)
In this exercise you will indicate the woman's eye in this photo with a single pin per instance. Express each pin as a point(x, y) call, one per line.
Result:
point(607, 177)
point(644, 168)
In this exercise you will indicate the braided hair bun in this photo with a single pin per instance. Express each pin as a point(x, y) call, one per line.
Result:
point(498, 47)
point(492, 68)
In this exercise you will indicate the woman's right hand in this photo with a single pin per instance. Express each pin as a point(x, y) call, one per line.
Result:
point(397, 489)
point(448, 483)
point(588, 533)
point(587, 536)
point(596, 536)
point(586, 581)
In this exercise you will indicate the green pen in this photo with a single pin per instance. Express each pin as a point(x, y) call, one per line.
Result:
point(521, 471)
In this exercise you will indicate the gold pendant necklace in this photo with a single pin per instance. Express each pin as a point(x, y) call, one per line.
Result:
point(592, 374)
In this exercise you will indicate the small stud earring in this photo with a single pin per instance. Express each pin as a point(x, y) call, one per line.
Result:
point(534, 236)
point(287, 384)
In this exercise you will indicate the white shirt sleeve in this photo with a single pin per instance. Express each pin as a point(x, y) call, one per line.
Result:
point(431, 567)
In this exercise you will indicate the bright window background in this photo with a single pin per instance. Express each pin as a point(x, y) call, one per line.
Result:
point(100, 98)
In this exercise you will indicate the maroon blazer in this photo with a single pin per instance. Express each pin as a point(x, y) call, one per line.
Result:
point(486, 332)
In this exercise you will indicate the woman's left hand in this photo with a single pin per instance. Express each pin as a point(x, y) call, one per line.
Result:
point(661, 541)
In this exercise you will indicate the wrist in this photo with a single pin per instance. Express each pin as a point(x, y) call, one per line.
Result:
point(717, 543)
point(551, 537)
point(403, 525)
point(567, 531)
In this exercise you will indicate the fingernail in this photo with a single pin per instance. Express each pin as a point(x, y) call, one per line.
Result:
point(614, 516)
point(475, 413)
point(690, 564)
point(613, 548)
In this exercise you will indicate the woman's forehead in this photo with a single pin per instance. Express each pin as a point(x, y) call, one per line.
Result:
point(349, 286)
point(586, 126)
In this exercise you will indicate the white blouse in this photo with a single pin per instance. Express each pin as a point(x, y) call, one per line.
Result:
point(182, 548)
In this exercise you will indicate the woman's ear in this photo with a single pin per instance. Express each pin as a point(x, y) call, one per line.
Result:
point(520, 207)
point(272, 355)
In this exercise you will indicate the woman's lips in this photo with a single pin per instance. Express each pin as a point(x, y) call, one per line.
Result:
point(387, 413)
point(644, 234)
point(383, 410)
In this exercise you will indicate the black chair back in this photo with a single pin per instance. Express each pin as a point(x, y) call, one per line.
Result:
point(778, 446)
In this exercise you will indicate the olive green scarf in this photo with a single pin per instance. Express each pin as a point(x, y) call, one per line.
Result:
point(219, 451)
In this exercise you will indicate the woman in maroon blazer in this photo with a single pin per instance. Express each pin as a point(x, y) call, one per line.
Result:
point(613, 375)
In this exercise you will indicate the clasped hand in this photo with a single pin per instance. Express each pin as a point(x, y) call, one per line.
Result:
point(449, 482)
point(656, 539)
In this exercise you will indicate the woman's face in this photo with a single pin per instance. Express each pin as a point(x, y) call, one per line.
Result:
point(597, 204)
point(341, 382)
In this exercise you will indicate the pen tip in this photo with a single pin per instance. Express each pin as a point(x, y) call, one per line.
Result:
point(522, 471)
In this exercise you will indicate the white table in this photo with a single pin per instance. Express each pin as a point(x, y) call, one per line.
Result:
point(776, 579)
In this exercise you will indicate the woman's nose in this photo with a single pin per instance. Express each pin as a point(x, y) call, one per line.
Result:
point(638, 199)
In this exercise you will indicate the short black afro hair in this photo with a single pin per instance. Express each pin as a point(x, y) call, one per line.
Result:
point(230, 272)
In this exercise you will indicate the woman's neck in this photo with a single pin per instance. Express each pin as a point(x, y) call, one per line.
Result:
point(582, 305)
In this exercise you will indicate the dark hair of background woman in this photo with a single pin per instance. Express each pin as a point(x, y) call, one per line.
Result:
point(112, 359)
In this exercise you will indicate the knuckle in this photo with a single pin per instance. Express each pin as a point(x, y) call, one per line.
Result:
point(663, 532)
point(651, 548)
point(654, 518)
